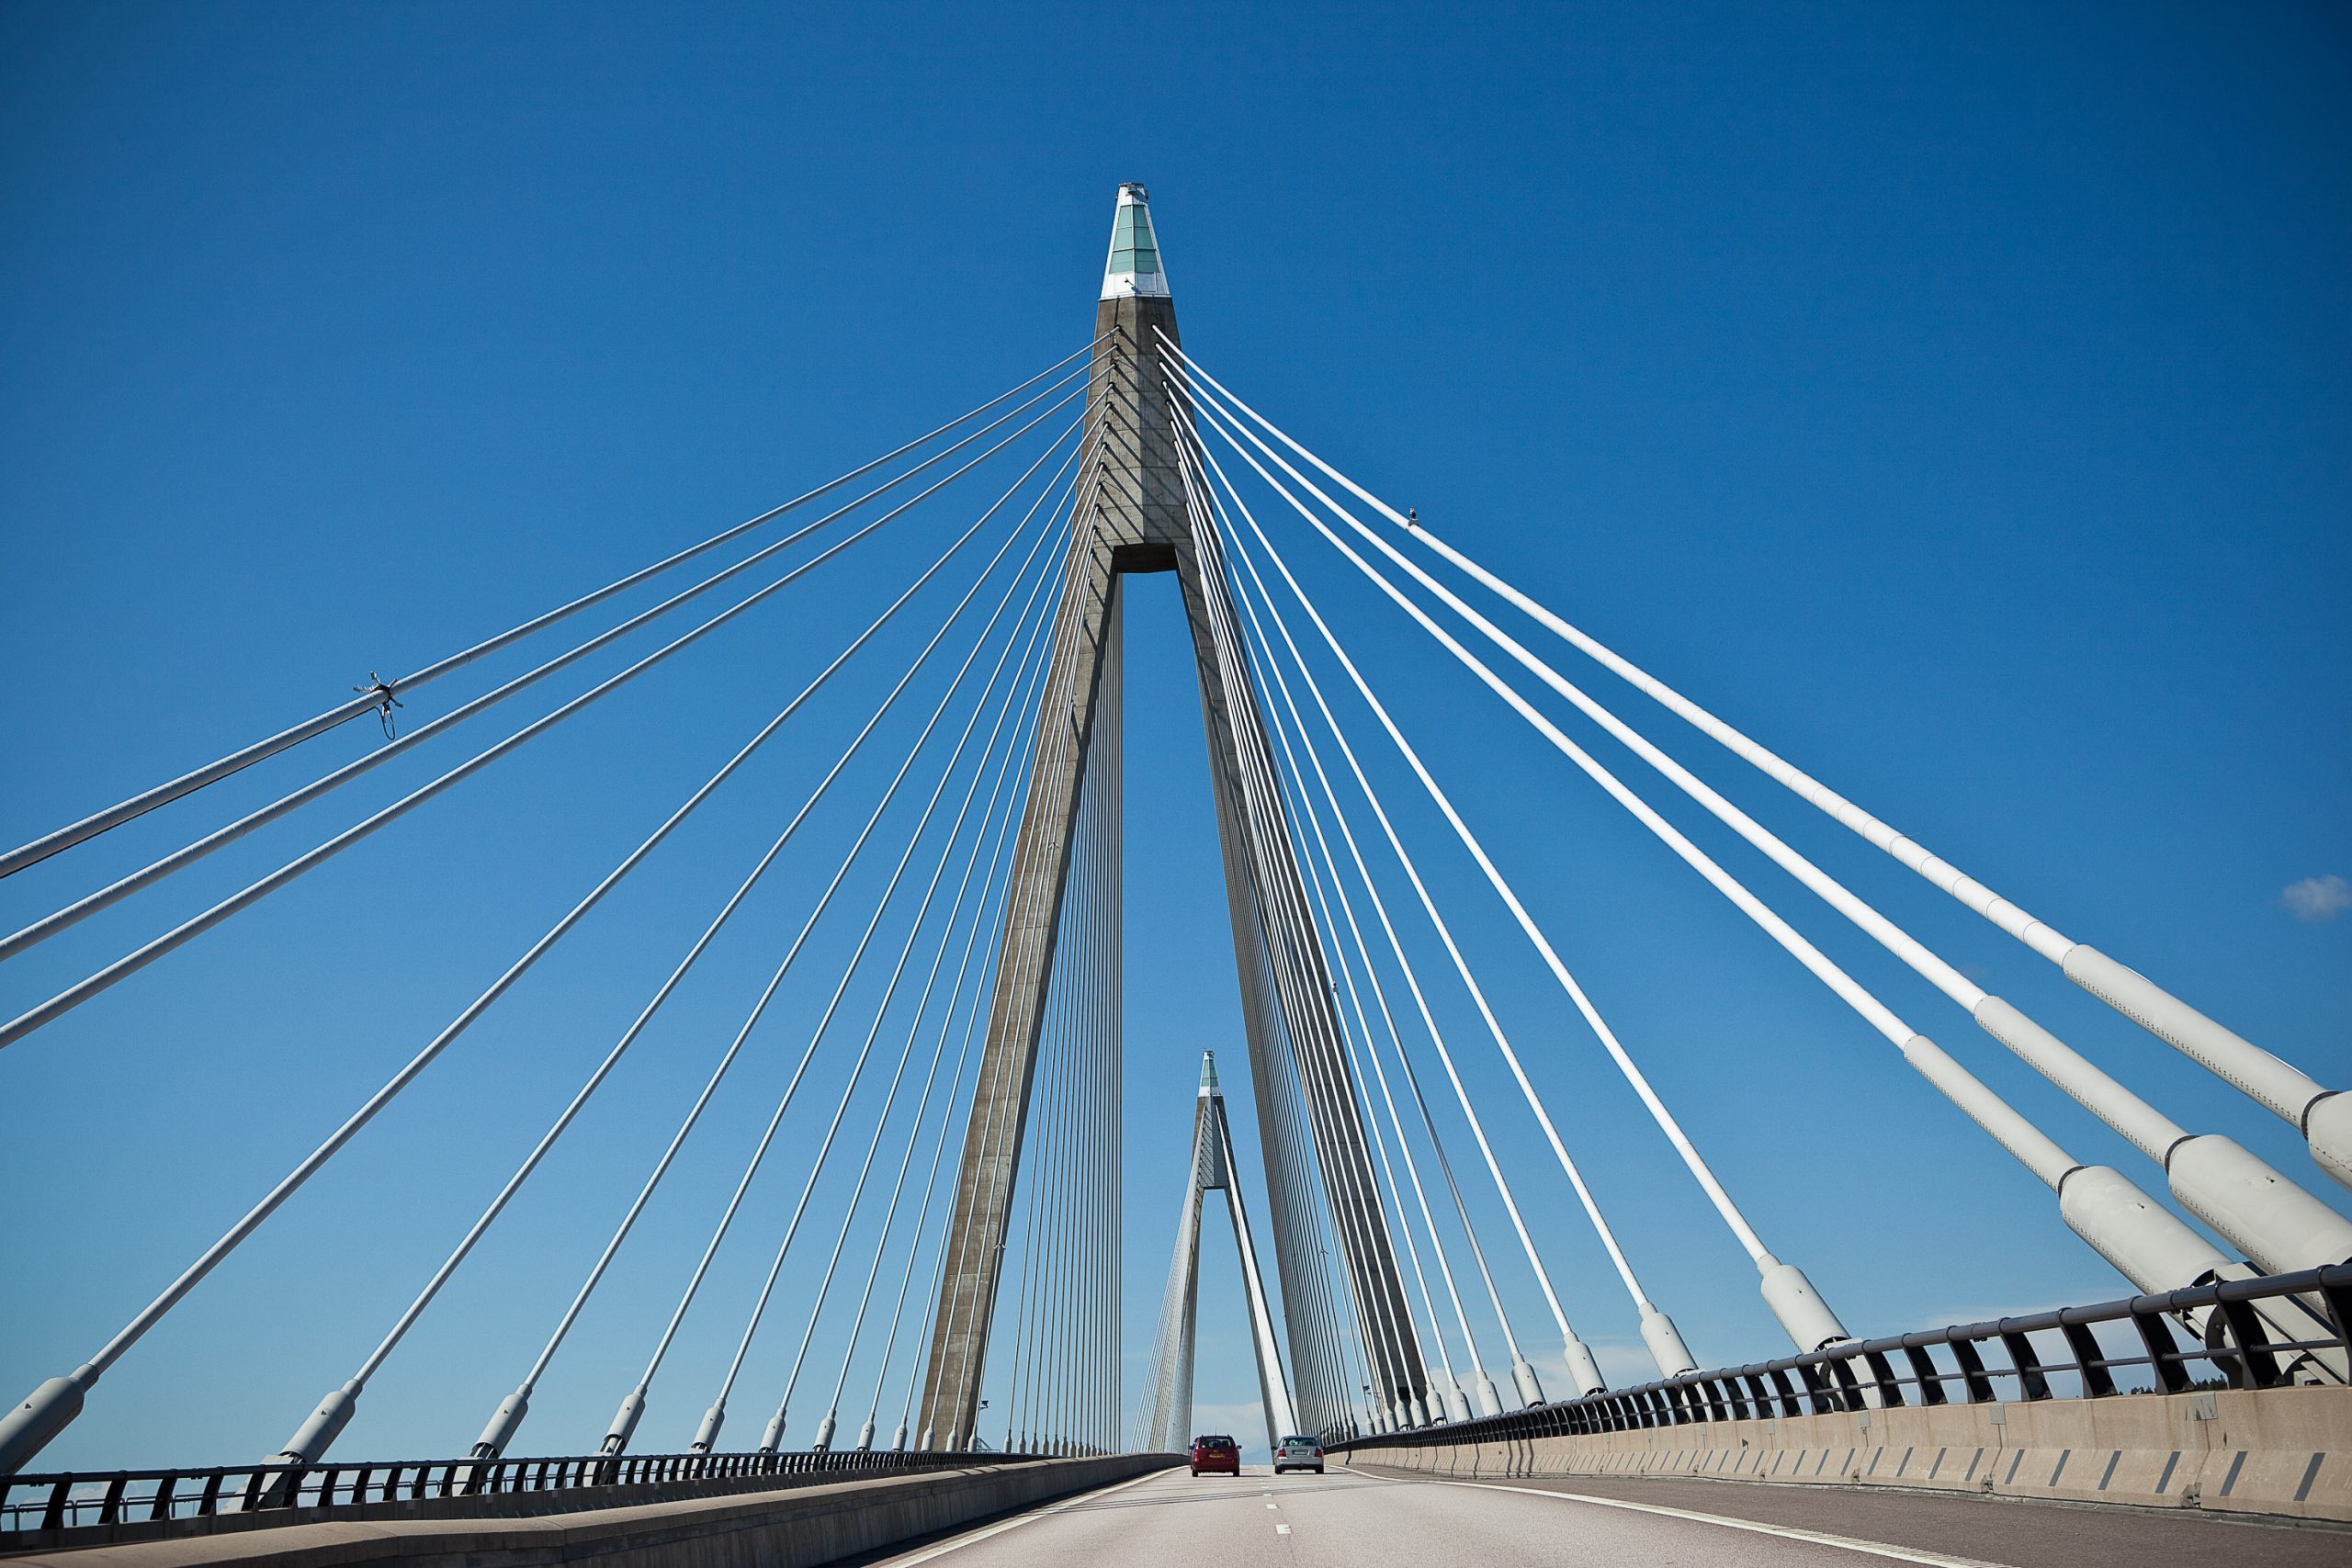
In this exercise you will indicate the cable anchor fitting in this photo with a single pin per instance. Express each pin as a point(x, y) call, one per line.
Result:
point(381, 689)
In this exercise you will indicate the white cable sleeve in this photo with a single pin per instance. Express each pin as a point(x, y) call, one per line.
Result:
point(2284, 1089)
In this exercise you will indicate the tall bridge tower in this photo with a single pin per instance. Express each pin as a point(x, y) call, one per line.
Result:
point(1133, 518)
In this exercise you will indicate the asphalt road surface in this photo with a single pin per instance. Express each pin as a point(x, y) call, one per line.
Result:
point(1354, 1521)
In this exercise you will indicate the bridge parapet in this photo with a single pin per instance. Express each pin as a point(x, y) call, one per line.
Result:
point(779, 1521)
point(1976, 1408)
point(85, 1508)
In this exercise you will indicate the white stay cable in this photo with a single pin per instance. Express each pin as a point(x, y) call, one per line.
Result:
point(708, 1432)
point(1461, 966)
point(1059, 1276)
point(1022, 701)
point(993, 894)
point(1377, 1325)
point(702, 943)
point(1580, 1361)
point(188, 930)
point(633, 1405)
point(1056, 742)
point(1666, 1123)
point(1791, 1295)
point(1050, 1051)
point(1326, 1387)
point(336, 1410)
point(2275, 1222)
point(1306, 741)
point(60, 1394)
point(1808, 1320)
point(1372, 974)
point(1502, 1185)
point(1052, 741)
point(510, 1413)
point(156, 870)
point(373, 697)
point(1494, 877)
point(2324, 1116)
point(906, 1054)
point(1337, 958)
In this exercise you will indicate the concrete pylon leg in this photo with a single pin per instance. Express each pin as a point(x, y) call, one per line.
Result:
point(1137, 521)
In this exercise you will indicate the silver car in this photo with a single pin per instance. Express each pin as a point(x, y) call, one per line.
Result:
point(1298, 1453)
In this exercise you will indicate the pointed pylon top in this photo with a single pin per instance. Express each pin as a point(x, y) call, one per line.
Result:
point(1135, 268)
point(1208, 1074)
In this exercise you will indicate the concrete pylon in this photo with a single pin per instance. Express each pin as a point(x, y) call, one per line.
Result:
point(1137, 521)
point(1168, 1415)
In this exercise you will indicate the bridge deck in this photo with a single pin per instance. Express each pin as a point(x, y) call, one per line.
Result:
point(1345, 1519)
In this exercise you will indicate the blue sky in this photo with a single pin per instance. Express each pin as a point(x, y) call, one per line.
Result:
point(1960, 402)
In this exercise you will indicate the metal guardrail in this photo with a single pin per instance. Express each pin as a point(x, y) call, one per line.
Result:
point(65, 1501)
point(2238, 1352)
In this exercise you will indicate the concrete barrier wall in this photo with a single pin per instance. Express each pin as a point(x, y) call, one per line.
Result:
point(792, 1527)
point(2286, 1451)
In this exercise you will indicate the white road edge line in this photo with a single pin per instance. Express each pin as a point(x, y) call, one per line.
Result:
point(1843, 1542)
point(973, 1538)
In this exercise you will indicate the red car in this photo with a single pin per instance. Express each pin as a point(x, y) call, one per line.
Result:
point(1217, 1453)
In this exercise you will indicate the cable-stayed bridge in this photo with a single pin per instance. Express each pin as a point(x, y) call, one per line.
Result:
point(949, 1130)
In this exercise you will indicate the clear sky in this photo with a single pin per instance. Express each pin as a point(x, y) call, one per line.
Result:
point(1958, 399)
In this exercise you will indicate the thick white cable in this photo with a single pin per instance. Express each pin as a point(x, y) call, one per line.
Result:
point(1706, 1178)
point(889, 1098)
point(2153, 1132)
point(1462, 966)
point(1053, 747)
point(1306, 742)
point(1291, 1207)
point(702, 1266)
point(938, 1047)
point(156, 870)
point(1049, 746)
point(188, 930)
point(1070, 1363)
point(2030, 1146)
point(1062, 1240)
point(139, 805)
point(2278, 1086)
point(1024, 1397)
point(1484, 1388)
point(1021, 1396)
point(1372, 974)
point(1336, 957)
point(612, 1058)
point(628, 1221)
point(834, 1004)
point(906, 1054)
point(1377, 1323)
point(1295, 1216)
point(195, 1273)
point(1105, 1188)
point(982, 921)
point(1114, 1187)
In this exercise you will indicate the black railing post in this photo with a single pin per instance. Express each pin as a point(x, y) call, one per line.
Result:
point(1972, 1375)
point(2031, 1384)
point(1925, 1377)
point(2090, 1361)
